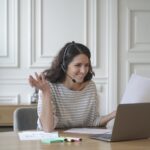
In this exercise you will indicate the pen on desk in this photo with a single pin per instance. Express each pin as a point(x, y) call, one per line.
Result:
point(72, 139)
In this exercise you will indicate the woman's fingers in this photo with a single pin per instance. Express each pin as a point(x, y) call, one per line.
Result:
point(32, 81)
point(39, 81)
point(42, 77)
point(113, 114)
point(37, 76)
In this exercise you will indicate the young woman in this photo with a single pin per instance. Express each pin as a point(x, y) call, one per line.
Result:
point(67, 95)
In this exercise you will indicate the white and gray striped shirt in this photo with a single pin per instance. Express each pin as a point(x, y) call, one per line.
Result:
point(73, 108)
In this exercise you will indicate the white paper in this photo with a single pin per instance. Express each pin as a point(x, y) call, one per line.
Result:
point(88, 130)
point(36, 135)
point(137, 90)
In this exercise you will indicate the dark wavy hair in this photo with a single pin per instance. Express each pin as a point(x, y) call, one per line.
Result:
point(57, 72)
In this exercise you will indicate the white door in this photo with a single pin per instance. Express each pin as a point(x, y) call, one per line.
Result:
point(133, 40)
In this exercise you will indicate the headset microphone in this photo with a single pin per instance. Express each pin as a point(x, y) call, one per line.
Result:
point(73, 80)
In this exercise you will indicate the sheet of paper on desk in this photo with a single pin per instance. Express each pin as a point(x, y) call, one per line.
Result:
point(36, 135)
point(137, 90)
point(88, 130)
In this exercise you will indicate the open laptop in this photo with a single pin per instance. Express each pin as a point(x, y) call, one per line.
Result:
point(132, 122)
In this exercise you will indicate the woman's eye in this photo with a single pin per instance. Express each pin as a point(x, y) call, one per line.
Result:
point(78, 65)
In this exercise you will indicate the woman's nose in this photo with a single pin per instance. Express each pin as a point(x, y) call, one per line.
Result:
point(83, 69)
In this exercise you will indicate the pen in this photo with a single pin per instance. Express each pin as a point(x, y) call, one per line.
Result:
point(72, 139)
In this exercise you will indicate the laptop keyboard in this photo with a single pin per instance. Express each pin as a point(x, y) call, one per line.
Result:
point(102, 136)
point(106, 136)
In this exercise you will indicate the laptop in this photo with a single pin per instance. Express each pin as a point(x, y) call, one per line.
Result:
point(132, 122)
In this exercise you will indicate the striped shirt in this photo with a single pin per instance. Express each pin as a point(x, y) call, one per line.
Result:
point(73, 108)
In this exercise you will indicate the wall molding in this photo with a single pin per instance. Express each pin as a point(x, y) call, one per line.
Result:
point(13, 81)
point(133, 45)
point(37, 59)
point(91, 28)
point(112, 38)
point(131, 66)
point(10, 57)
point(9, 99)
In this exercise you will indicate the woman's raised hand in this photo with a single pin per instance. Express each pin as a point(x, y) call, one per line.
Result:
point(39, 82)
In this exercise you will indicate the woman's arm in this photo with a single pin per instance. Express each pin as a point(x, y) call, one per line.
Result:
point(105, 119)
point(46, 116)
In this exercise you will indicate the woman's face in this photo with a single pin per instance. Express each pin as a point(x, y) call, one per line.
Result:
point(78, 68)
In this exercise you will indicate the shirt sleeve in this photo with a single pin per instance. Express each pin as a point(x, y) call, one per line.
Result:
point(39, 110)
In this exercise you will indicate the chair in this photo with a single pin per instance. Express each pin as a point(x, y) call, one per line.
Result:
point(25, 118)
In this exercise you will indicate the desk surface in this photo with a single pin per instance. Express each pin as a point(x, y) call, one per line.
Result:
point(10, 141)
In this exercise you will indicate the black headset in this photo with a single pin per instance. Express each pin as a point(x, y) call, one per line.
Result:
point(64, 55)
point(63, 66)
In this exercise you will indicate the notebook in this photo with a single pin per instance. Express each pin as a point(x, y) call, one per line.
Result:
point(132, 122)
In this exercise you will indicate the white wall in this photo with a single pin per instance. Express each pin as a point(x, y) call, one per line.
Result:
point(33, 31)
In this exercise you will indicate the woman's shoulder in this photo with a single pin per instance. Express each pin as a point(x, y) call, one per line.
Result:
point(90, 85)
point(54, 85)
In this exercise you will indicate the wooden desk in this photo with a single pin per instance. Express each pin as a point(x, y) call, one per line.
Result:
point(10, 141)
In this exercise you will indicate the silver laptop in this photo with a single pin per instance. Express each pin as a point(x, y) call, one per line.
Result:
point(132, 122)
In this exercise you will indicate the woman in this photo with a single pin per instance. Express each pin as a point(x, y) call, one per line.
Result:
point(67, 96)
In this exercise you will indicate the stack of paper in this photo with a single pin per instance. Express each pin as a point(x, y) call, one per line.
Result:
point(88, 130)
point(137, 90)
point(36, 135)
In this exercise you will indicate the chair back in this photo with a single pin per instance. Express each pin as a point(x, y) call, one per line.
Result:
point(25, 118)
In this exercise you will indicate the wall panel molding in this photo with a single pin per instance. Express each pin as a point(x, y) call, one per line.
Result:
point(138, 22)
point(102, 91)
point(9, 30)
point(13, 81)
point(112, 42)
point(139, 68)
point(38, 58)
point(9, 99)
point(91, 29)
